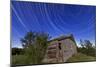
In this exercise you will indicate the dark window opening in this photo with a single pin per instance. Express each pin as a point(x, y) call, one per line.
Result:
point(59, 46)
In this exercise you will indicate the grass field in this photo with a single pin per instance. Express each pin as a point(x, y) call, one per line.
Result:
point(19, 59)
point(81, 58)
point(23, 60)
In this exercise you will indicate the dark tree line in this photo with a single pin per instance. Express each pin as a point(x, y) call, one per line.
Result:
point(17, 51)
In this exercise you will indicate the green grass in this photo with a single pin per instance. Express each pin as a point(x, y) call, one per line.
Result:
point(81, 58)
point(21, 60)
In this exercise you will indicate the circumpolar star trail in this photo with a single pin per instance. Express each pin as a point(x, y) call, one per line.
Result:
point(19, 18)
point(54, 19)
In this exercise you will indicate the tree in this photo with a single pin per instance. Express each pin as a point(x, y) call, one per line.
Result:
point(87, 48)
point(29, 39)
point(82, 43)
point(35, 44)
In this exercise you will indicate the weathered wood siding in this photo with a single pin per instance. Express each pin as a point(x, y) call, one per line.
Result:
point(55, 54)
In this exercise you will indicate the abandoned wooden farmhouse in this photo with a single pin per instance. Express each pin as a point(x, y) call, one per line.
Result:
point(60, 49)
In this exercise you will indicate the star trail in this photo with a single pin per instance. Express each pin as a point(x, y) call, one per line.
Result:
point(55, 19)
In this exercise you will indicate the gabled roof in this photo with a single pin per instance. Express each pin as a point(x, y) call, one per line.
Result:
point(70, 36)
point(62, 37)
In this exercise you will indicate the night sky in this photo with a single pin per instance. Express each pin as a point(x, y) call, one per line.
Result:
point(55, 19)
